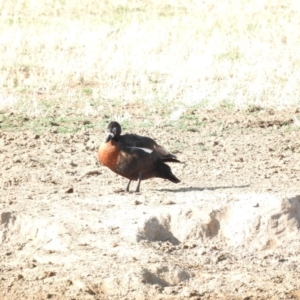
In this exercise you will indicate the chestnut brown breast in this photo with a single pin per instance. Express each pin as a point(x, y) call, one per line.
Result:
point(108, 154)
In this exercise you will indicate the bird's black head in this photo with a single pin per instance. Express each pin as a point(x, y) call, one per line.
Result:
point(113, 131)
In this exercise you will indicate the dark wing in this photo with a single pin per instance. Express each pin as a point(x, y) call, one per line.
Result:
point(136, 144)
point(164, 155)
point(132, 143)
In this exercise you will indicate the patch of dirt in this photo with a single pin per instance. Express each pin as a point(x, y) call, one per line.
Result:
point(229, 230)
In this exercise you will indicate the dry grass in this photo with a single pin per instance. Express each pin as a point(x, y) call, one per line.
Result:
point(91, 55)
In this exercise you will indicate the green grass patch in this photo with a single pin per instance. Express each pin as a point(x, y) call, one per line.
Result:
point(70, 124)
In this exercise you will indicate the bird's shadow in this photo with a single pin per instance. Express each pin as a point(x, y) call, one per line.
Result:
point(194, 189)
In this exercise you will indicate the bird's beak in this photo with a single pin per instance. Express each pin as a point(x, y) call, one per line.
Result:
point(109, 137)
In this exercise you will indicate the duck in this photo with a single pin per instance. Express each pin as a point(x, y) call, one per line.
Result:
point(135, 157)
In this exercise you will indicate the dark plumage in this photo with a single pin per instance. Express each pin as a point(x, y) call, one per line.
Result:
point(135, 157)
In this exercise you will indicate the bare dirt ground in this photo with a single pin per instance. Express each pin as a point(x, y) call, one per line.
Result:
point(229, 230)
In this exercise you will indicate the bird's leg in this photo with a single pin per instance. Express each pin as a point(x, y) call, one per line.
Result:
point(139, 183)
point(127, 188)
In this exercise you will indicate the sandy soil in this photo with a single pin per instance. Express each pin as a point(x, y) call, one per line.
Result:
point(229, 230)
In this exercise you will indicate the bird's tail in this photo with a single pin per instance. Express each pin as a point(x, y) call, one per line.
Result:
point(164, 171)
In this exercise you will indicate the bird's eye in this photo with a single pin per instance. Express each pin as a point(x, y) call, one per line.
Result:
point(114, 130)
